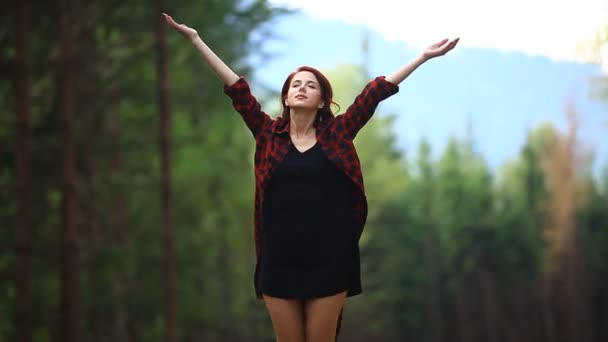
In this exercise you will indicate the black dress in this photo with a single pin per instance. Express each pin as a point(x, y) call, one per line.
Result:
point(309, 238)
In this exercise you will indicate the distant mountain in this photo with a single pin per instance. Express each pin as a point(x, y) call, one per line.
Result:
point(503, 94)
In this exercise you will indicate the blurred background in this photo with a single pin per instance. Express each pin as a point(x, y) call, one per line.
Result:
point(126, 178)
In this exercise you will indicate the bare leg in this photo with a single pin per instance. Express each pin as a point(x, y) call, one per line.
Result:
point(321, 317)
point(287, 317)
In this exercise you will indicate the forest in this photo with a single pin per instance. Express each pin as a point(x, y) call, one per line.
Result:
point(127, 187)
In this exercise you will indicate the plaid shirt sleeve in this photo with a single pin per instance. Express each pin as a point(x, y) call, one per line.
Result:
point(365, 104)
point(248, 106)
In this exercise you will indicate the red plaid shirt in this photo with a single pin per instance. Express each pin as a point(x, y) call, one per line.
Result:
point(335, 137)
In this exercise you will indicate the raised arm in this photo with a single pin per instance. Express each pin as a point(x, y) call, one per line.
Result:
point(362, 109)
point(438, 49)
point(223, 71)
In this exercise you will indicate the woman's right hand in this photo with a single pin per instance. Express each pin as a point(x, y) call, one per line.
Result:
point(217, 65)
point(188, 32)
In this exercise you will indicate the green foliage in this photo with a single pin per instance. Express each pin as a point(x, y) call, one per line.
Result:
point(117, 129)
point(594, 218)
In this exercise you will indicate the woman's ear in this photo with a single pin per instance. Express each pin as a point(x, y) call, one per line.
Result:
point(321, 105)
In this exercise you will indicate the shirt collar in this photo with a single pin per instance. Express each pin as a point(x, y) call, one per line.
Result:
point(281, 127)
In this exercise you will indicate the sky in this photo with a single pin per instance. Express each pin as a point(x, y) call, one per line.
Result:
point(559, 29)
point(504, 91)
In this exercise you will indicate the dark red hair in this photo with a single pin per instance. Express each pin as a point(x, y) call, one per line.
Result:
point(326, 94)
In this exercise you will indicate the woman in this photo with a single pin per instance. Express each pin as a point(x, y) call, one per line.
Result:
point(310, 205)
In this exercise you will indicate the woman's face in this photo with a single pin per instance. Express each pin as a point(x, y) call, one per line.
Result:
point(304, 92)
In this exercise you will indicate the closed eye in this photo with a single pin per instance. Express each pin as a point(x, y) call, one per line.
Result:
point(310, 84)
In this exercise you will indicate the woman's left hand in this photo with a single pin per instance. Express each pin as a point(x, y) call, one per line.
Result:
point(440, 48)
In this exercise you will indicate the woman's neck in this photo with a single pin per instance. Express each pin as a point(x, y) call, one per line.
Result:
point(301, 123)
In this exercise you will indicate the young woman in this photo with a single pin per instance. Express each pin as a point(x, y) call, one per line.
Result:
point(310, 204)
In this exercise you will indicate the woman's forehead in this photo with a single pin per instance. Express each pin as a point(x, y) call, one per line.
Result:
point(305, 76)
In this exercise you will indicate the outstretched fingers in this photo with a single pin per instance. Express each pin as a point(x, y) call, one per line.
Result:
point(441, 47)
point(170, 20)
point(450, 45)
point(181, 28)
point(440, 43)
point(453, 43)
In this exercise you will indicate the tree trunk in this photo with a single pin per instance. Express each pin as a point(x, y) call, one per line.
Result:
point(91, 255)
point(23, 283)
point(70, 294)
point(118, 222)
point(577, 308)
point(227, 330)
point(490, 303)
point(465, 328)
point(435, 320)
point(548, 312)
point(166, 194)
